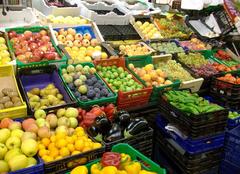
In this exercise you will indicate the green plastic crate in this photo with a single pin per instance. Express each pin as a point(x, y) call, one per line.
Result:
point(20, 30)
point(148, 165)
point(88, 104)
point(141, 61)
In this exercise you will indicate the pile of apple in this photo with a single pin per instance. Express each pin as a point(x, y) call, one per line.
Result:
point(67, 20)
point(134, 50)
point(84, 84)
point(46, 97)
point(17, 147)
point(4, 54)
point(148, 30)
point(194, 44)
point(33, 47)
point(81, 47)
point(151, 76)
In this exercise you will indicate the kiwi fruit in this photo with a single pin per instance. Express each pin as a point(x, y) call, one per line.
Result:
point(12, 94)
point(4, 99)
point(8, 104)
point(15, 99)
point(18, 103)
point(5, 91)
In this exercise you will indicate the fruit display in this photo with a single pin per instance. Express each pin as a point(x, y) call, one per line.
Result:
point(118, 78)
point(152, 77)
point(84, 83)
point(67, 20)
point(114, 163)
point(61, 145)
point(81, 46)
point(134, 49)
point(32, 47)
point(190, 103)
point(17, 147)
point(225, 58)
point(230, 79)
point(122, 126)
point(87, 118)
point(194, 44)
point(148, 30)
point(46, 97)
point(167, 47)
point(175, 70)
point(9, 98)
point(233, 115)
point(5, 57)
point(171, 27)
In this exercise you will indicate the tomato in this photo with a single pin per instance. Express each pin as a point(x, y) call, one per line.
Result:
point(111, 159)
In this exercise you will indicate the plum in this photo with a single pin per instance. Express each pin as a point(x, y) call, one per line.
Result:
point(91, 93)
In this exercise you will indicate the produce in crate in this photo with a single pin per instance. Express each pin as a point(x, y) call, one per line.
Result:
point(67, 20)
point(148, 30)
point(194, 44)
point(17, 147)
point(4, 54)
point(122, 126)
point(175, 70)
point(33, 47)
point(134, 49)
point(9, 98)
point(226, 58)
point(82, 81)
point(46, 97)
point(233, 115)
point(61, 145)
point(151, 76)
point(118, 78)
point(114, 163)
point(230, 78)
point(190, 103)
point(167, 47)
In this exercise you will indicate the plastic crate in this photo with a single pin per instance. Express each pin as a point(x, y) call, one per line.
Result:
point(88, 104)
point(228, 167)
point(141, 61)
point(130, 99)
point(40, 77)
point(194, 85)
point(231, 54)
point(65, 164)
point(188, 163)
point(135, 155)
point(232, 123)
point(38, 168)
point(189, 145)
point(8, 79)
point(34, 29)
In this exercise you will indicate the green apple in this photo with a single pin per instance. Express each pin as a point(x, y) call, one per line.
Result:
point(17, 133)
point(29, 147)
point(15, 125)
point(63, 121)
point(31, 162)
point(71, 112)
point(4, 166)
point(13, 142)
point(11, 153)
point(40, 114)
point(41, 122)
point(61, 112)
point(73, 122)
point(4, 135)
point(3, 150)
point(61, 129)
point(28, 135)
point(18, 162)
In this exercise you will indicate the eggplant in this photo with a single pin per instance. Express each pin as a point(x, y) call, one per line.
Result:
point(136, 126)
point(103, 124)
point(114, 134)
point(94, 132)
point(122, 118)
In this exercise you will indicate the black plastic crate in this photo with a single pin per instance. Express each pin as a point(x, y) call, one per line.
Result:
point(128, 32)
point(189, 164)
point(39, 77)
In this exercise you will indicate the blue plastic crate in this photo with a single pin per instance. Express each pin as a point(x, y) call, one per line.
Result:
point(192, 146)
point(229, 168)
point(39, 168)
point(80, 29)
point(232, 123)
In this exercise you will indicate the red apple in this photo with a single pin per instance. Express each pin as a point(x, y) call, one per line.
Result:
point(38, 53)
point(43, 48)
point(15, 40)
point(24, 43)
point(21, 57)
point(27, 34)
point(12, 34)
point(52, 49)
point(43, 32)
point(21, 37)
point(33, 46)
point(87, 36)
point(18, 52)
point(35, 59)
point(37, 36)
point(45, 39)
point(50, 55)
point(28, 55)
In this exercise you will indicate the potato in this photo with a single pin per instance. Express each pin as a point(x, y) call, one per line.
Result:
point(4, 99)
point(1, 106)
point(8, 104)
point(12, 94)
point(18, 103)
point(15, 99)
point(5, 91)
point(1, 95)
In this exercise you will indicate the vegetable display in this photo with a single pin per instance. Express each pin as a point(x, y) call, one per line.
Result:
point(230, 78)
point(226, 58)
point(194, 44)
point(190, 103)
point(167, 47)
point(233, 115)
point(134, 49)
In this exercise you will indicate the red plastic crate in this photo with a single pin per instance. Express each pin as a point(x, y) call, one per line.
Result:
point(130, 99)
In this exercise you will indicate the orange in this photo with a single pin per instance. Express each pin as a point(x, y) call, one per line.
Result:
point(58, 157)
point(41, 146)
point(54, 152)
point(61, 143)
point(51, 145)
point(79, 129)
point(75, 152)
point(88, 144)
point(85, 149)
point(70, 140)
point(43, 152)
point(47, 159)
point(45, 142)
point(71, 147)
point(60, 135)
point(64, 152)
point(80, 133)
point(89, 140)
point(53, 138)
point(74, 137)
point(96, 145)
point(79, 145)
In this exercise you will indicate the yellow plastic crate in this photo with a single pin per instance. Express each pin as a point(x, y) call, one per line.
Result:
point(7, 79)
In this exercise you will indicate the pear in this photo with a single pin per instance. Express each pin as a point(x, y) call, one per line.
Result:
point(18, 162)
point(11, 153)
point(31, 162)
point(4, 166)
point(29, 147)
